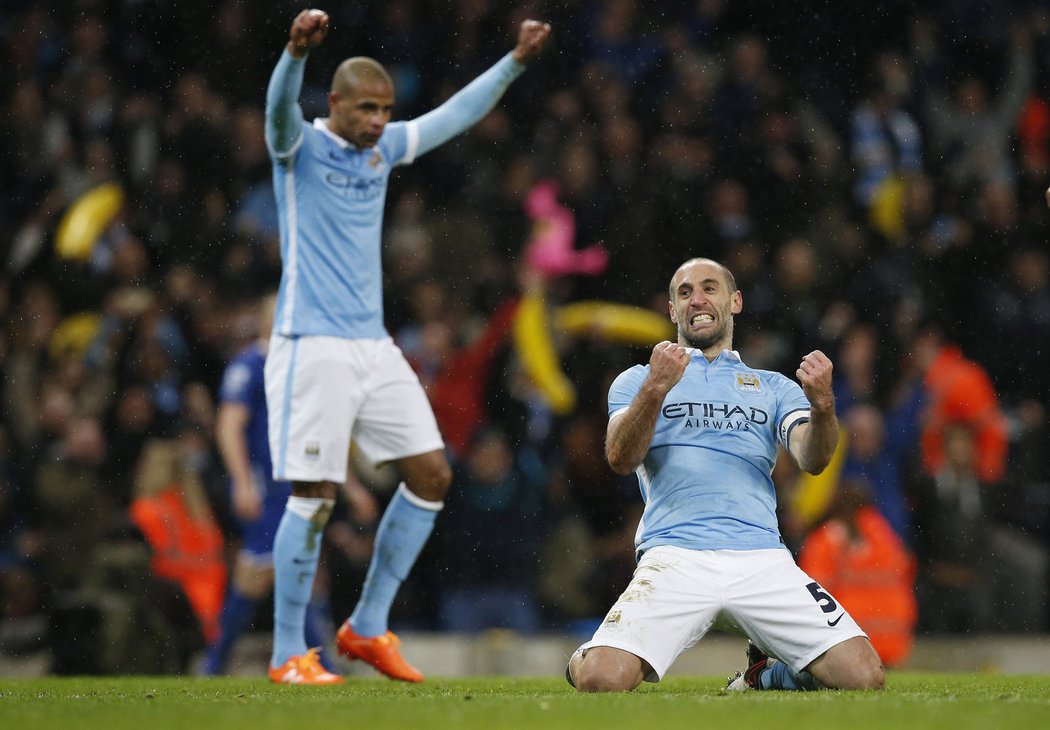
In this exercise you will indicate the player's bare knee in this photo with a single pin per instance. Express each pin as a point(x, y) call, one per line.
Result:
point(872, 675)
point(603, 685)
point(428, 476)
point(592, 678)
point(865, 674)
point(606, 670)
point(443, 478)
point(314, 490)
point(853, 664)
point(433, 484)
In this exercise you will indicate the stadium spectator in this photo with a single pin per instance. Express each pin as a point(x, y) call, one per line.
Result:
point(858, 557)
point(1019, 306)
point(885, 139)
point(171, 509)
point(969, 127)
point(878, 448)
point(972, 566)
point(490, 578)
point(73, 509)
point(458, 389)
point(589, 555)
point(957, 390)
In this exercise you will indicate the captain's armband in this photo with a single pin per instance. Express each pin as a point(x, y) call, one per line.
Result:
point(787, 425)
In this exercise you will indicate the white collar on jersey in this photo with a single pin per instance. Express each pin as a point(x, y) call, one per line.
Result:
point(732, 354)
point(321, 123)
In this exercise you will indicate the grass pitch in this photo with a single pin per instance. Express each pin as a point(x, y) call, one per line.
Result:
point(957, 701)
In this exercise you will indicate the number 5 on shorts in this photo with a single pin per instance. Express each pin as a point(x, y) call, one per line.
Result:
point(823, 598)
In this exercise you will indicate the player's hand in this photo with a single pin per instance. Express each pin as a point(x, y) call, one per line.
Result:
point(308, 30)
point(667, 364)
point(1048, 197)
point(532, 36)
point(246, 501)
point(815, 376)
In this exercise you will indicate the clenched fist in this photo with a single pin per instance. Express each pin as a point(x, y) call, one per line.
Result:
point(815, 376)
point(308, 30)
point(667, 364)
point(532, 37)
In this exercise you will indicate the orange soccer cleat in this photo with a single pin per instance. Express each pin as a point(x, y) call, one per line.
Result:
point(379, 651)
point(303, 669)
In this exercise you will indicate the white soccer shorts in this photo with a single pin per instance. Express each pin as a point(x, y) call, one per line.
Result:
point(676, 596)
point(321, 392)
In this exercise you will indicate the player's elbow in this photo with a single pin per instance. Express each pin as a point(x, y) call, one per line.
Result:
point(814, 455)
point(815, 469)
point(619, 461)
point(814, 466)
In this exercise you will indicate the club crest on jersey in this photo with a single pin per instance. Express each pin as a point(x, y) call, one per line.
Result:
point(748, 383)
point(376, 160)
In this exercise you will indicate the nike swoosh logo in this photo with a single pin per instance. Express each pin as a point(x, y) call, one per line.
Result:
point(832, 623)
point(300, 561)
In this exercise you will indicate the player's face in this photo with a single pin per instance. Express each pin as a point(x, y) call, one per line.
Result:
point(361, 116)
point(703, 306)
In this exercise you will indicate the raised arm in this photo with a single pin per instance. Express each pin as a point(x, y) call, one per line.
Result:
point(469, 105)
point(284, 117)
point(629, 434)
point(813, 443)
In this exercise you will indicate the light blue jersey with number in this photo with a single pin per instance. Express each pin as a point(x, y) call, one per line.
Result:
point(706, 479)
point(331, 196)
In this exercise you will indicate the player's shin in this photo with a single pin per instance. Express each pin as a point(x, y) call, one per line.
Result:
point(403, 531)
point(296, 550)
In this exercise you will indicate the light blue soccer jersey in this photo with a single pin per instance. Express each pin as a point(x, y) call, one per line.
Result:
point(706, 479)
point(330, 199)
point(331, 196)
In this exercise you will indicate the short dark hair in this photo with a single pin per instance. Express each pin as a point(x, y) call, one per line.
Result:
point(730, 279)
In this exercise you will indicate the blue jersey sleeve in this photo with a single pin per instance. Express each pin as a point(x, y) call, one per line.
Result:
point(626, 386)
point(395, 143)
point(792, 407)
point(284, 117)
point(465, 108)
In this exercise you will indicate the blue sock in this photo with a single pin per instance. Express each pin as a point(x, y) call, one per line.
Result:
point(404, 529)
point(317, 628)
point(781, 676)
point(296, 550)
point(237, 613)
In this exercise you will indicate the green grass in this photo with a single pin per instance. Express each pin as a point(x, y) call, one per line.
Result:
point(957, 701)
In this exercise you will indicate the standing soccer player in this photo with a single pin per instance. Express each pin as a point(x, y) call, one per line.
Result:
point(333, 372)
point(701, 429)
point(256, 499)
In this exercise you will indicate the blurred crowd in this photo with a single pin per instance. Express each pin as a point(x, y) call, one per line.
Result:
point(873, 177)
